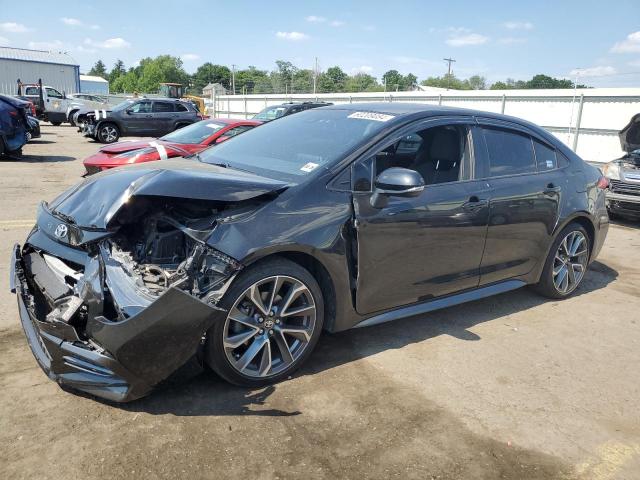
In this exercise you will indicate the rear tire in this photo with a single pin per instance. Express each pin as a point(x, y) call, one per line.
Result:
point(566, 264)
point(108, 133)
point(56, 124)
point(265, 348)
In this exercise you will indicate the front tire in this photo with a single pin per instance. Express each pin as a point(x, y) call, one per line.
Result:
point(56, 124)
point(275, 317)
point(566, 263)
point(108, 133)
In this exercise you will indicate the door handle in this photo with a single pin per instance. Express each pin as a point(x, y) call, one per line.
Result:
point(475, 203)
point(551, 189)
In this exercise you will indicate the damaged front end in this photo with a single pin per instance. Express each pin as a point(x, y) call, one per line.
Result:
point(114, 311)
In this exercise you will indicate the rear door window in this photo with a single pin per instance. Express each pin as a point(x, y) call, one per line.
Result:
point(510, 152)
point(161, 107)
point(545, 156)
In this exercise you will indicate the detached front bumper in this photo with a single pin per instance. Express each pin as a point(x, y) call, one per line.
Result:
point(119, 361)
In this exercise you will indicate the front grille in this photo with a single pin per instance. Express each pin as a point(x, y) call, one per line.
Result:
point(625, 188)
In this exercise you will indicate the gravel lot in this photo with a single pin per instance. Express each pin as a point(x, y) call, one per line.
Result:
point(513, 386)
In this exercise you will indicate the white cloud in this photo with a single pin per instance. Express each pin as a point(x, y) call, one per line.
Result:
point(190, 57)
point(337, 23)
point(315, 19)
point(73, 22)
point(362, 69)
point(598, 71)
point(511, 40)
point(55, 45)
point(109, 44)
point(293, 36)
point(13, 27)
point(466, 40)
point(631, 44)
point(4, 41)
point(515, 25)
point(634, 63)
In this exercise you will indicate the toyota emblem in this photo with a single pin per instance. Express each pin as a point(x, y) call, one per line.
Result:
point(61, 231)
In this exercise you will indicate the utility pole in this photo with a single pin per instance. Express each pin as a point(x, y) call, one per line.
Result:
point(449, 61)
point(233, 78)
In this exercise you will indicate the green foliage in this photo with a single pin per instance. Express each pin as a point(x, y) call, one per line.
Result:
point(210, 73)
point(539, 81)
point(117, 71)
point(395, 81)
point(99, 70)
point(287, 78)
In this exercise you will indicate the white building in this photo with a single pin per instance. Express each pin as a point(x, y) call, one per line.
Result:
point(56, 69)
point(92, 84)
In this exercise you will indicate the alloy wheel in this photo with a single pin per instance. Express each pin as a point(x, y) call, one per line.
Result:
point(570, 262)
point(109, 133)
point(269, 326)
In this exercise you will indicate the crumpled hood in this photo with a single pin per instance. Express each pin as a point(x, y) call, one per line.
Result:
point(94, 202)
point(630, 135)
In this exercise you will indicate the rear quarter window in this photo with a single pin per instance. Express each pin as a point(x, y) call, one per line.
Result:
point(545, 156)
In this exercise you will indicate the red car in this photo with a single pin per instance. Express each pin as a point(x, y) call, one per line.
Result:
point(185, 141)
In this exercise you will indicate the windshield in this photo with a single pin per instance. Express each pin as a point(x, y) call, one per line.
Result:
point(195, 133)
point(298, 144)
point(270, 113)
point(122, 106)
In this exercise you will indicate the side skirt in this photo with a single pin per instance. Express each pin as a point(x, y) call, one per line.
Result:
point(431, 305)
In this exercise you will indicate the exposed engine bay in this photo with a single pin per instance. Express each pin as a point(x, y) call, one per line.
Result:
point(154, 268)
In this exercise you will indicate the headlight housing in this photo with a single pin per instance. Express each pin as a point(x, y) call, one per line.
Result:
point(612, 171)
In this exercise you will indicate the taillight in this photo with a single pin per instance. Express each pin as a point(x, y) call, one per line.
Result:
point(603, 183)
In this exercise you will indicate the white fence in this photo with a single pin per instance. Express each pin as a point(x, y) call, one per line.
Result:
point(586, 120)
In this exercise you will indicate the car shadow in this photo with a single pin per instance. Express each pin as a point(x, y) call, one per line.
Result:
point(625, 222)
point(40, 142)
point(38, 158)
point(197, 392)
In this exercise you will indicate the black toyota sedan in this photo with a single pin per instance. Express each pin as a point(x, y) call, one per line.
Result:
point(337, 217)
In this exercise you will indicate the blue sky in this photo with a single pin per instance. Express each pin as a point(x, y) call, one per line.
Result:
point(496, 39)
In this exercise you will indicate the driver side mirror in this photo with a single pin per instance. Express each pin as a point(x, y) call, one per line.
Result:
point(396, 182)
point(129, 111)
point(64, 95)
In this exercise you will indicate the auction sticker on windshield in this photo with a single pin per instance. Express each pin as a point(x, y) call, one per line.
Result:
point(309, 167)
point(378, 117)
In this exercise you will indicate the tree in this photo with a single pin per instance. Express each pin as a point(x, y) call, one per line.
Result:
point(392, 80)
point(117, 71)
point(162, 69)
point(252, 80)
point(210, 73)
point(476, 82)
point(99, 70)
point(545, 81)
point(333, 80)
point(361, 82)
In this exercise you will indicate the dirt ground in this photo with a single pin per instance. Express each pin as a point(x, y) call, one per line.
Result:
point(513, 386)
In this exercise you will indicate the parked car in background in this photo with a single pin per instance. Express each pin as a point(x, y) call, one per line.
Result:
point(186, 141)
point(14, 125)
point(84, 102)
point(623, 195)
point(34, 128)
point(338, 217)
point(289, 108)
point(143, 117)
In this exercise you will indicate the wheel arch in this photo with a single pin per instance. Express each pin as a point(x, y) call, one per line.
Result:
point(583, 219)
point(317, 269)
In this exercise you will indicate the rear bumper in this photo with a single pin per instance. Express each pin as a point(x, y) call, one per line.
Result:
point(119, 361)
